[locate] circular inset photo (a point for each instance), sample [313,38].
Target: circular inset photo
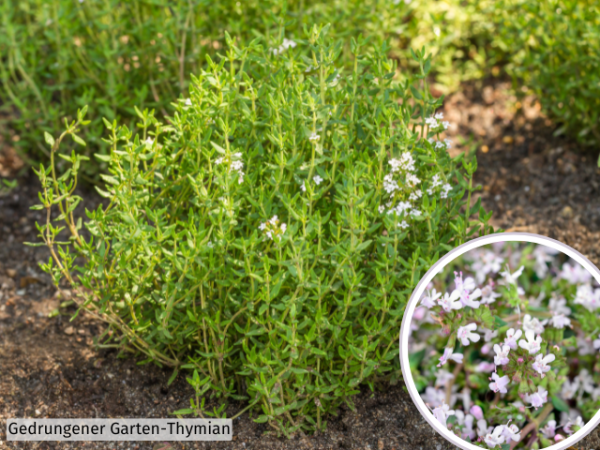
[500,344]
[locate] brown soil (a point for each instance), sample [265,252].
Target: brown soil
[49,368]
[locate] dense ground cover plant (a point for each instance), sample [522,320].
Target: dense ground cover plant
[268,238]
[56,56]
[555,53]
[506,346]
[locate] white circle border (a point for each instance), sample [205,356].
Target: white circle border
[418,292]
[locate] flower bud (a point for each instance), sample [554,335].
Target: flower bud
[477,412]
[558,437]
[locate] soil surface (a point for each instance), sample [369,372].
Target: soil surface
[49,367]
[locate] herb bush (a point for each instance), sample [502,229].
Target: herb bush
[57,56]
[509,346]
[268,238]
[555,53]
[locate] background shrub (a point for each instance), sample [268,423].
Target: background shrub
[268,238]
[57,56]
[554,46]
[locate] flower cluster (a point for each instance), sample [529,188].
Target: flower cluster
[273,229]
[287,43]
[519,324]
[234,164]
[405,189]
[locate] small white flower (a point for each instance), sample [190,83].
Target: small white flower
[538,398]
[549,430]
[511,278]
[303,188]
[559,306]
[446,188]
[499,384]
[532,344]
[511,433]
[570,388]
[446,125]
[317,179]
[533,324]
[482,428]
[439,115]
[575,273]
[415,195]
[456,357]
[432,122]
[501,357]
[149,142]
[450,301]
[511,338]
[314,137]
[542,363]
[412,180]
[596,343]
[442,377]
[403,224]
[441,413]
[429,300]
[488,296]
[495,438]
[188,102]
[560,321]
[466,334]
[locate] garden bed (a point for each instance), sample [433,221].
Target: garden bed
[531,180]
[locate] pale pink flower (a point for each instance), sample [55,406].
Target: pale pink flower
[511,278]
[511,338]
[466,334]
[499,384]
[511,433]
[550,429]
[441,413]
[450,301]
[542,363]
[533,324]
[429,300]
[501,357]
[560,321]
[456,357]
[495,438]
[538,398]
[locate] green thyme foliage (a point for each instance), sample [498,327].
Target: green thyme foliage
[461,36]
[555,46]
[244,241]
[58,55]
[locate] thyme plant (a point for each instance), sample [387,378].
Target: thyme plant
[266,239]
[506,353]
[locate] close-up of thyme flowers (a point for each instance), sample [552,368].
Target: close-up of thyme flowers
[505,346]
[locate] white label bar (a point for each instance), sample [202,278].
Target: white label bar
[119,429]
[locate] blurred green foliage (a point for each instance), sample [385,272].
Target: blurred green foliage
[555,51]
